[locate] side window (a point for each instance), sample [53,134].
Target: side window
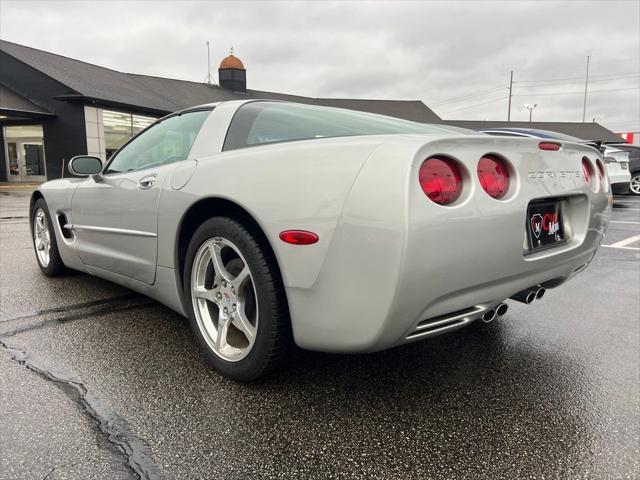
[165,142]
[260,123]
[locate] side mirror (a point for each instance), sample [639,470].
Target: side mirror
[85,166]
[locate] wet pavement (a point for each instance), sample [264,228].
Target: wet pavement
[99,382]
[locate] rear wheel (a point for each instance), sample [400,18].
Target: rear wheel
[235,300]
[634,185]
[44,241]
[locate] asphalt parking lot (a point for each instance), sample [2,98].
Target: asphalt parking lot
[99,382]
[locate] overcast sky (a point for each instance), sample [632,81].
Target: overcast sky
[455,56]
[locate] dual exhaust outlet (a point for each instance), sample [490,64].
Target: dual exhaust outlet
[525,296]
[494,313]
[529,295]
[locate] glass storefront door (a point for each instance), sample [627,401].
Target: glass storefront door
[24,151]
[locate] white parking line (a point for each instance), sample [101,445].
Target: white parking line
[622,248]
[625,242]
[622,221]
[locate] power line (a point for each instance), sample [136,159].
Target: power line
[475,105]
[573,93]
[464,97]
[577,78]
[591,80]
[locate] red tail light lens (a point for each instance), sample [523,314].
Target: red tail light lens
[494,176]
[550,146]
[602,176]
[440,180]
[588,173]
[298,237]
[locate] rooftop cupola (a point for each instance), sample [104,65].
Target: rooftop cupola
[231,74]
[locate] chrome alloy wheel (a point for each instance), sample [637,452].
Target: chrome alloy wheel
[634,185]
[42,237]
[224,299]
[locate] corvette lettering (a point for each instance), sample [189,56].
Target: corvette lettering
[549,174]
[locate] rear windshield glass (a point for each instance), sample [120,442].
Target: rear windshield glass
[259,123]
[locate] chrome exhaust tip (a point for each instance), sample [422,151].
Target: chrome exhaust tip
[489,316]
[540,292]
[527,296]
[501,309]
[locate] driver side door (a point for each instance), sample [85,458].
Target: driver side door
[115,216]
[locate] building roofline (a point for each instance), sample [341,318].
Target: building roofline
[25,113]
[142,92]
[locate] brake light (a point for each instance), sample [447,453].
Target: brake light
[550,146]
[588,174]
[298,237]
[441,180]
[494,176]
[602,176]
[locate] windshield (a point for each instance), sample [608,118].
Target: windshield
[259,123]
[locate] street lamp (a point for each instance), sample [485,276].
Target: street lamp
[530,108]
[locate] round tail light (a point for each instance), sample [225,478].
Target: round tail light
[494,176]
[602,176]
[588,174]
[440,180]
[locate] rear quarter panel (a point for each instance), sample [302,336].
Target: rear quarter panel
[296,185]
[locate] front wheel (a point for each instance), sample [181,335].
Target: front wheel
[634,185]
[44,241]
[235,300]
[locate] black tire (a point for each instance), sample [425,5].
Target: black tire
[635,176]
[273,335]
[55,267]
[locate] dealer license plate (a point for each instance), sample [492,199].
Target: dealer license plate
[544,225]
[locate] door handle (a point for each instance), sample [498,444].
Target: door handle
[147,182]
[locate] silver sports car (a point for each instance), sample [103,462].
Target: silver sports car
[268,223]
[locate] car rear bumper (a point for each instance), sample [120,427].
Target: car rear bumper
[397,259]
[617,175]
[363,302]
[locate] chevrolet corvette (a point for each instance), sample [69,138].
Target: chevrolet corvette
[272,223]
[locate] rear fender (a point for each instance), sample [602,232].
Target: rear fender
[298,185]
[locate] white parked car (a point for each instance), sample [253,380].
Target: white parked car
[617,163]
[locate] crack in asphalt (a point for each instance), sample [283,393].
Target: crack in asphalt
[134,452]
[53,470]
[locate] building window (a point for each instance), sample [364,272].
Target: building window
[120,127]
[24,151]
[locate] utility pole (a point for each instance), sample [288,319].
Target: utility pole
[510,90]
[586,84]
[209,79]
